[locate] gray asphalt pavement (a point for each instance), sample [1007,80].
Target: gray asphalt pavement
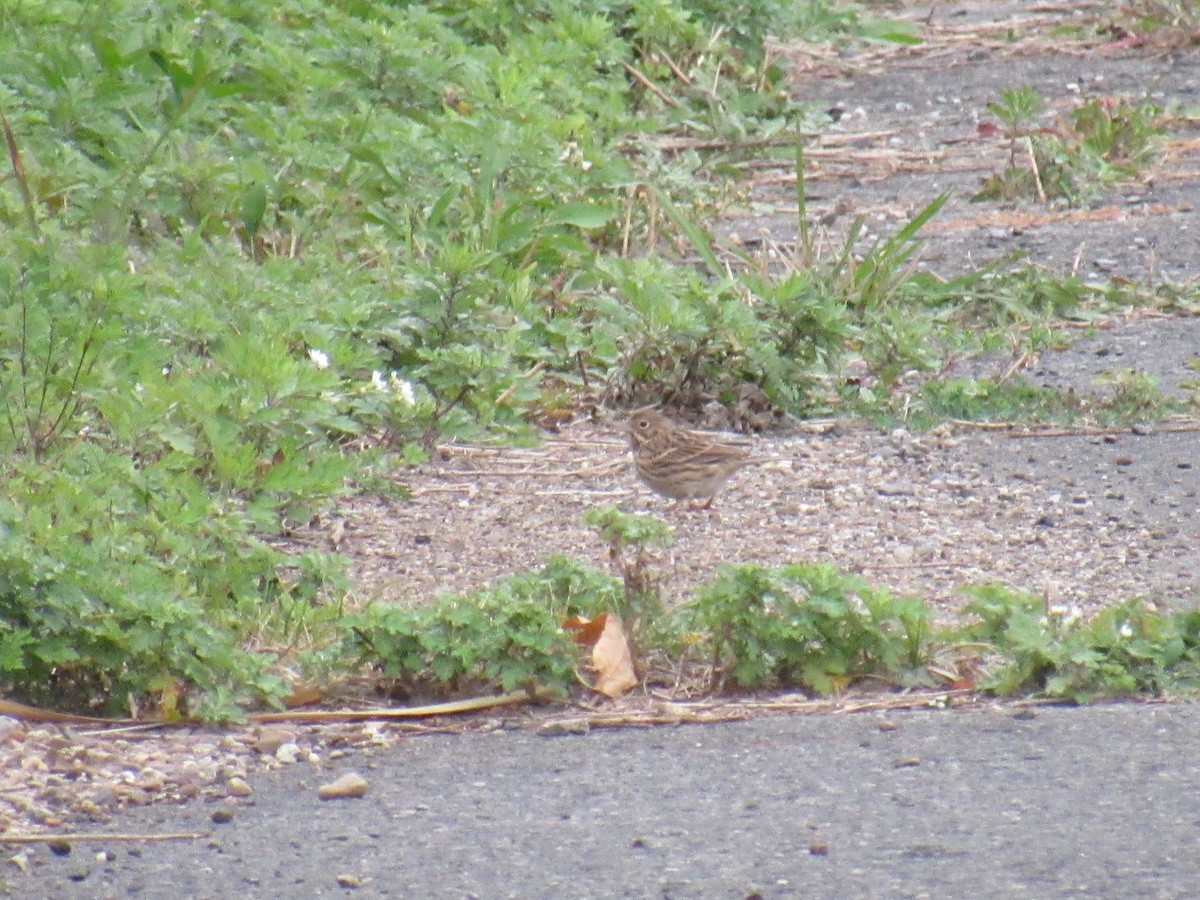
[1099,801]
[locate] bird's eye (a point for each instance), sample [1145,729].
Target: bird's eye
[643,423]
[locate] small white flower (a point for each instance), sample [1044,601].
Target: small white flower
[404,389]
[1126,630]
[572,153]
[319,357]
[377,381]
[1074,615]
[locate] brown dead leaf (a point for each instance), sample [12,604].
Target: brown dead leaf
[612,660]
[585,632]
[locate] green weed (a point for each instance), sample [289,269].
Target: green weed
[499,638]
[632,544]
[1128,648]
[1102,141]
[810,627]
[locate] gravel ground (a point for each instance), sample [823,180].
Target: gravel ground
[924,514]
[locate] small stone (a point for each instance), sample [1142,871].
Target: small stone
[567,726]
[151,780]
[237,787]
[131,795]
[60,847]
[287,753]
[225,772]
[351,785]
[908,762]
[222,815]
[886,725]
[79,873]
[349,881]
[269,740]
[817,848]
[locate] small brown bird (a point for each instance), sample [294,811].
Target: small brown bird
[680,464]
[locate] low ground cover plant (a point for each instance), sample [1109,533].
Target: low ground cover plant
[256,255]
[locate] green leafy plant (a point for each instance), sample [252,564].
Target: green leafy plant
[632,544]
[54,327]
[1127,648]
[1121,397]
[1018,110]
[702,340]
[1102,141]
[1133,396]
[1117,136]
[128,588]
[500,638]
[810,627]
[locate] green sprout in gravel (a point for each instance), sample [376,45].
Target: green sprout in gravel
[1101,142]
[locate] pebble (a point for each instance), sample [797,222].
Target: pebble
[349,785]
[238,787]
[268,741]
